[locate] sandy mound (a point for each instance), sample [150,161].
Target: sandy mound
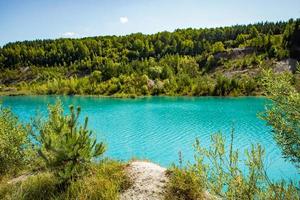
[148,179]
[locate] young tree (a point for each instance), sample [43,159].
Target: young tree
[66,147]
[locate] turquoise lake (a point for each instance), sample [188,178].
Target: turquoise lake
[157,128]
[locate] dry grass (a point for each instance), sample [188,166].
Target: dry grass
[104,181]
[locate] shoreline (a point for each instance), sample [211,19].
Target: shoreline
[125,97]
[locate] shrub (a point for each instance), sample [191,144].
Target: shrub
[283,114]
[223,86]
[14,144]
[184,184]
[218,172]
[66,147]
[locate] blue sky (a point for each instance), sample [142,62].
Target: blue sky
[43,19]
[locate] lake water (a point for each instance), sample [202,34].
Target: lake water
[157,128]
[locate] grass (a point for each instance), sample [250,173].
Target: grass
[104,180]
[38,187]
[184,185]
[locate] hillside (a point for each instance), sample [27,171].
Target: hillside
[217,61]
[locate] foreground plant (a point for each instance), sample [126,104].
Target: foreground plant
[68,152]
[66,147]
[104,181]
[217,173]
[283,115]
[14,143]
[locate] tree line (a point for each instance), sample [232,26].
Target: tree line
[120,49]
[183,62]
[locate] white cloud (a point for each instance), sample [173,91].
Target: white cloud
[69,34]
[124,20]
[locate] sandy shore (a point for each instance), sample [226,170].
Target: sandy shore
[149,181]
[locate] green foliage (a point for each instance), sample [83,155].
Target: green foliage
[43,186]
[232,86]
[66,147]
[184,184]
[284,114]
[253,32]
[187,82]
[69,154]
[218,47]
[96,76]
[174,61]
[104,181]
[14,143]
[225,177]
[95,53]
[217,171]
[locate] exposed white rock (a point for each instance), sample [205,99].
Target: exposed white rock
[286,65]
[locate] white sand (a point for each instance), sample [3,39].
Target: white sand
[149,181]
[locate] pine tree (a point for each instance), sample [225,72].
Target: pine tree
[66,147]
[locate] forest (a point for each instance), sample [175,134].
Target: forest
[196,62]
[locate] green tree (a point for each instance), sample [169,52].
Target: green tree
[155,72]
[253,32]
[81,50]
[66,147]
[96,76]
[218,47]
[283,114]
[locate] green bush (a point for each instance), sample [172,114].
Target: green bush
[184,184]
[14,143]
[283,114]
